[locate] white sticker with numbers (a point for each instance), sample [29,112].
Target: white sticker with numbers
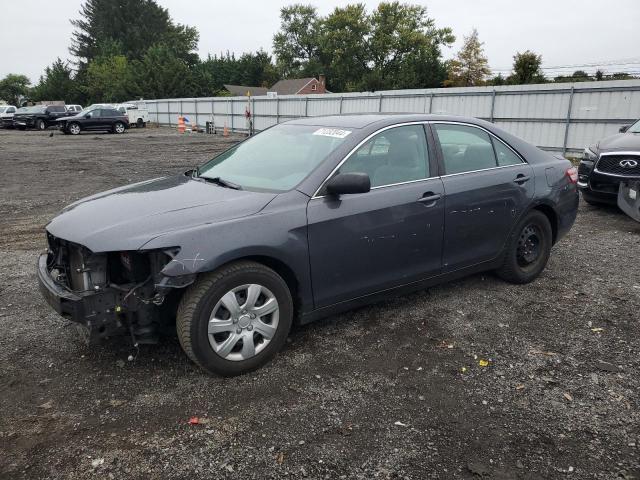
[332,132]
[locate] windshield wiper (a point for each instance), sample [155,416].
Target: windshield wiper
[222,182]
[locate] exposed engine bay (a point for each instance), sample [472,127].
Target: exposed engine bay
[115,293]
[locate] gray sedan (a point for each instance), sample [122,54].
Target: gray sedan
[304,220]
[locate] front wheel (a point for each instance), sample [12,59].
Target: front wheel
[74,128]
[40,125]
[118,127]
[528,249]
[235,320]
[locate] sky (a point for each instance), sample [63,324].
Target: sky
[565,32]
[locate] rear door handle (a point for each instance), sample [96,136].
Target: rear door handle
[520,179]
[430,198]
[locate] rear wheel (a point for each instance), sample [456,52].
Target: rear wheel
[235,319]
[74,128]
[140,123]
[118,127]
[40,125]
[528,249]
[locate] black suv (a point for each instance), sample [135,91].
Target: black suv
[38,116]
[102,118]
[609,162]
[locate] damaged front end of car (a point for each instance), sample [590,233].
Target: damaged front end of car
[110,294]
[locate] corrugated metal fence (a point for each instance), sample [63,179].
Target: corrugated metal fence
[562,117]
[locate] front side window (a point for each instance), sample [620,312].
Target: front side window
[277,159]
[464,148]
[395,155]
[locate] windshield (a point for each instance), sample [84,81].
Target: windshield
[277,159]
[635,128]
[36,109]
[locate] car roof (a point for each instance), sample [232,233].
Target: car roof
[379,119]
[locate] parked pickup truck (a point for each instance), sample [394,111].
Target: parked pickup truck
[137,116]
[6,115]
[40,117]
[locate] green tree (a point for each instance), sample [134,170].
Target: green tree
[526,69]
[57,83]
[13,88]
[403,40]
[498,80]
[395,46]
[344,56]
[162,74]
[133,25]
[297,44]
[470,67]
[577,76]
[109,80]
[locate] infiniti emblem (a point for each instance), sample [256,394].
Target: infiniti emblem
[628,163]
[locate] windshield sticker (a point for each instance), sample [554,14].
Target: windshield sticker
[332,132]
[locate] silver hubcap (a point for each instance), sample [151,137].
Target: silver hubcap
[75,129]
[243,322]
[119,128]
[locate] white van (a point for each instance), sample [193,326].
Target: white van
[138,115]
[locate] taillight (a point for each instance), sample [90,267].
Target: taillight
[572,173]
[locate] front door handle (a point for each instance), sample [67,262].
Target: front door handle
[430,198]
[521,179]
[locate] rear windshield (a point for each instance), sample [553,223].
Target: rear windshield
[2,109]
[35,109]
[277,159]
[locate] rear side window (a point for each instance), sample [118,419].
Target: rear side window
[396,155]
[56,108]
[504,154]
[464,148]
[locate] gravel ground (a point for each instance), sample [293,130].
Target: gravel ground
[472,379]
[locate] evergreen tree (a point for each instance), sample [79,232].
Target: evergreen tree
[57,83]
[470,67]
[135,25]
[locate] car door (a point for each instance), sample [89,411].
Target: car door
[487,186]
[392,235]
[91,119]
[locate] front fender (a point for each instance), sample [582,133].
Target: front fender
[278,232]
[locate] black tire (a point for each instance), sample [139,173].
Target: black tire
[74,128]
[200,300]
[139,123]
[117,126]
[528,249]
[41,125]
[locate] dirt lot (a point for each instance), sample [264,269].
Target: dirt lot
[392,391]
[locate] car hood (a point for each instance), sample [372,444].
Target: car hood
[128,217]
[620,141]
[70,116]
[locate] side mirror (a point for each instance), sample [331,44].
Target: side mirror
[345,183]
[624,128]
[87,115]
